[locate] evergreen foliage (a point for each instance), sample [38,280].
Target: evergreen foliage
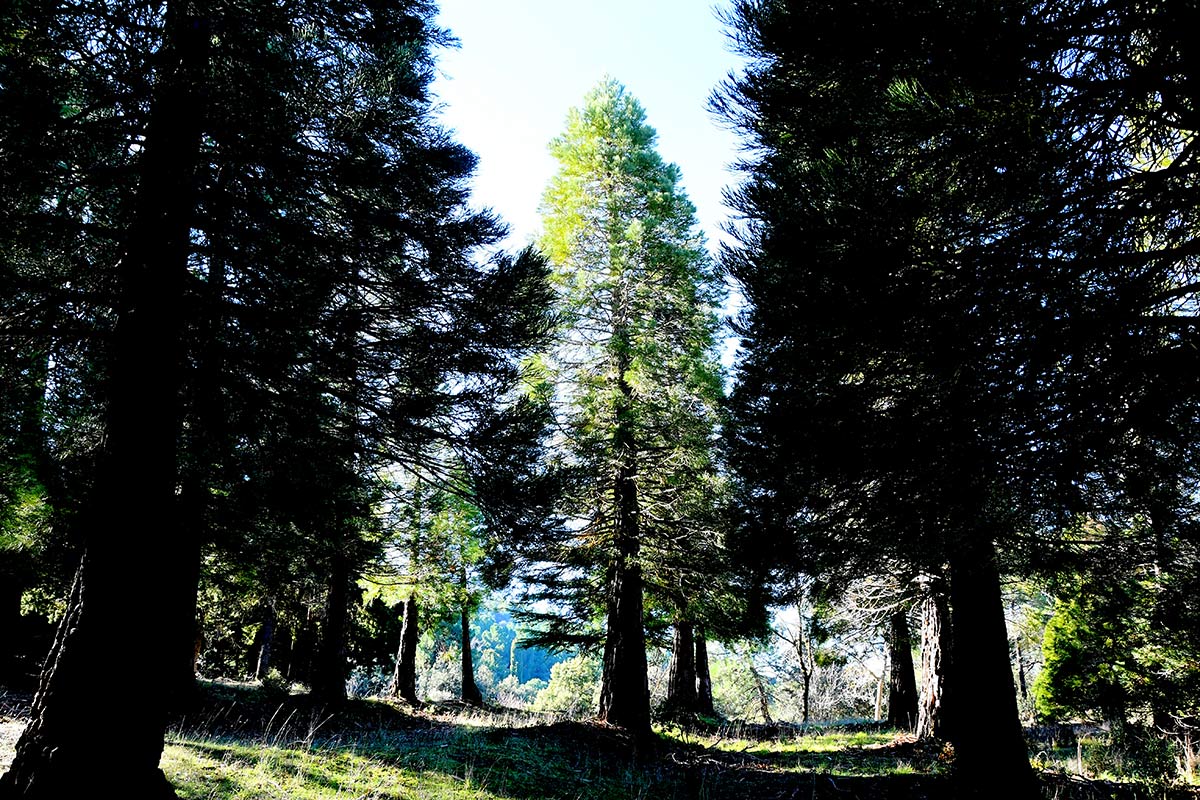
[634,383]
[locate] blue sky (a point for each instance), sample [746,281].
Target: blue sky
[522,64]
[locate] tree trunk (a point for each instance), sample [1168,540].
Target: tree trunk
[681,677]
[624,690]
[125,601]
[404,679]
[300,665]
[470,691]
[704,694]
[760,688]
[990,756]
[935,655]
[1022,685]
[806,676]
[624,683]
[266,638]
[902,684]
[329,676]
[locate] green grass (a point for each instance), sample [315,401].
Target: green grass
[834,752]
[244,744]
[441,763]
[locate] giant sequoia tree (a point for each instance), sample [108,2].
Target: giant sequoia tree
[635,382]
[281,248]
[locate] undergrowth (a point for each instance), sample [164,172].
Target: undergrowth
[239,743]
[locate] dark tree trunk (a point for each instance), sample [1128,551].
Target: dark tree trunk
[281,649]
[404,679]
[329,675]
[806,676]
[1022,685]
[125,610]
[624,688]
[703,677]
[266,638]
[681,677]
[935,662]
[624,691]
[704,694]
[624,683]
[902,683]
[470,691]
[990,756]
[300,664]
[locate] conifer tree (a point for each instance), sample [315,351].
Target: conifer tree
[296,300]
[902,379]
[634,383]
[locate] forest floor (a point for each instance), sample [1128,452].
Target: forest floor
[239,743]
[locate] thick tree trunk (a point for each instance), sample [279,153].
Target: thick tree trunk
[470,690]
[704,694]
[935,663]
[681,676]
[902,683]
[404,679]
[124,611]
[329,676]
[990,756]
[624,683]
[624,690]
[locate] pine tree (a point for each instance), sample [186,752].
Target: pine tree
[634,381]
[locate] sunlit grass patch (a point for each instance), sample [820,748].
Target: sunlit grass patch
[831,751]
[457,764]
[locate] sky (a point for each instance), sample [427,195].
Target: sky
[522,64]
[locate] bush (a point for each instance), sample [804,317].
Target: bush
[574,686]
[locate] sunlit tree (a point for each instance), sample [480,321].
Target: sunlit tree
[634,381]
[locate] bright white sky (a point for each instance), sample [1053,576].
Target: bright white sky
[523,63]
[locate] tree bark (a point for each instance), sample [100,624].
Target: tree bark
[990,756]
[125,610]
[329,677]
[624,690]
[470,690]
[681,676]
[404,679]
[704,694]
[902,683]
[624,683]
[935,655]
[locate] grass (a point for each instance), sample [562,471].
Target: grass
[375,751]
[837,752]
[246,744]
